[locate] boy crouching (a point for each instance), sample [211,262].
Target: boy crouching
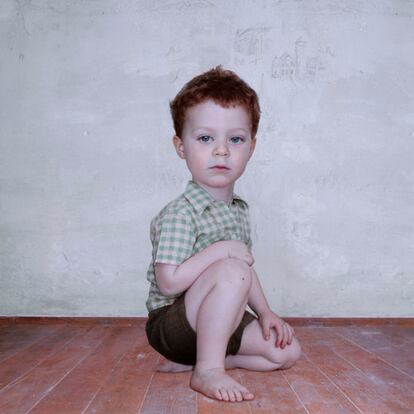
[201,274]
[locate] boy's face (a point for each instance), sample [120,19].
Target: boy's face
[216,143]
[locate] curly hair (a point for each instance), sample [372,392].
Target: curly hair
[222,86]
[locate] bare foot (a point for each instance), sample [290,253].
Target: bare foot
[215,383]
[169,366]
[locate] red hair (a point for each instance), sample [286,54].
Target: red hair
[222,86]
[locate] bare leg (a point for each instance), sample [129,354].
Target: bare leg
[251,362]
[170,366]
[258,354]
[215,304]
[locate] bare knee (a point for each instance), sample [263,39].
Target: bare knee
[293,355]
[286,357]
[228,271]
[234,272]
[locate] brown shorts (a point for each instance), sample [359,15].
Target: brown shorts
[170,333]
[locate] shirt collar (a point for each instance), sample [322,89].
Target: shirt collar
[200,198]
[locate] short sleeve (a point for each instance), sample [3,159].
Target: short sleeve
[246,224]
[176,239]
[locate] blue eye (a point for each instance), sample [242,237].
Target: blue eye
[237,140]
[204,138]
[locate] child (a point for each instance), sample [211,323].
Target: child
[202,274]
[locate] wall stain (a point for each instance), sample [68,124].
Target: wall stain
[178,6]
[21,14]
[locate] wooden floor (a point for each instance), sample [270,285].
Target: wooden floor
[72,368]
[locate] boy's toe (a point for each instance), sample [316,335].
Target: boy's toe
[224,394]
[239,396]
[247,395]
[217,394]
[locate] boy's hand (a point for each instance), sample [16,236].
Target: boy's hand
[238,250]
[283,330]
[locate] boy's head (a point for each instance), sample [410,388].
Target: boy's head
[223,87]
[216,116]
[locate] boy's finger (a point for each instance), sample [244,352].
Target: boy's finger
[285,335]
[279,331]
[290,335]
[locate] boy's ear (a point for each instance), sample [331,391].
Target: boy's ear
[179,147]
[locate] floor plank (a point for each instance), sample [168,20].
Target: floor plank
[74,393]
[28,357]
[14,338]
[124,390]
[24,393]
[170,393]
[380,337]
[324,351]
[16,333]
[97,368]
[388,343]
[273,393]
[316,391]
[387,376]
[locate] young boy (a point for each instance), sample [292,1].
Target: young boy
[202,274]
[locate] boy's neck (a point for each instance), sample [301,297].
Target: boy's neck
[219,193]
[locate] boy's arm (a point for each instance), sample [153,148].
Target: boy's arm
[173,279]
[257,300]
[267,318]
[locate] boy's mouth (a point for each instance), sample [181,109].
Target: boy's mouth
[219,167]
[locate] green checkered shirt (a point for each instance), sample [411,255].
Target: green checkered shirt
[189,224]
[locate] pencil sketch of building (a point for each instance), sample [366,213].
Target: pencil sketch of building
[283,67]
[297,66]
[248,44]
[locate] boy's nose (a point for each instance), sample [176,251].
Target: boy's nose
[221,150]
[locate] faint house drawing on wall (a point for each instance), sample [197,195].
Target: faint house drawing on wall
[283,67]
[314,65]
[249,44]
[300,57]
[300,66]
